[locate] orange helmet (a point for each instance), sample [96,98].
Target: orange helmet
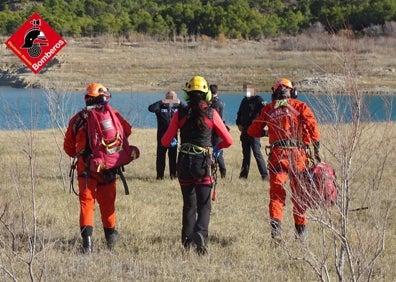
[283,82]
[95,90]
[283,88]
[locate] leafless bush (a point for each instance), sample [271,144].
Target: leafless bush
[352,234]
[61,110]
[390,28]
[21,245]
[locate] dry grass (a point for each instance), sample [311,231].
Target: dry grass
[149,219]
[146,65]
[38,211]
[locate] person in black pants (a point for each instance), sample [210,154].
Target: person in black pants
[196,122]
[164,110]
[249,108]
[218,105]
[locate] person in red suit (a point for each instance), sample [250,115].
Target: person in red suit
[93,186]
[292,127]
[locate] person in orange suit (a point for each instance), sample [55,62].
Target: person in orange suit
[291,128]
[197,122]
[93,186]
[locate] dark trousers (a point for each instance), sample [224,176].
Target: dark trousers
[161,160]
[195,183]
[196,210]
[249,145]
[220,161]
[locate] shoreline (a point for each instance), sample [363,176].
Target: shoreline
[21,85]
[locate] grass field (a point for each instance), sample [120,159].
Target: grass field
[40,241]
[353,241]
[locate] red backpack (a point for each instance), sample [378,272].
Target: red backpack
[107,140]
[321,189]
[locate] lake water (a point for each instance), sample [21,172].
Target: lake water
[36,109]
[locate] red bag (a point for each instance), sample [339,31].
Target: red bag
[107,140]
[321,189]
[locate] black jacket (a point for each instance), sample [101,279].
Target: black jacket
[164,113]
[218,106]
[248,110]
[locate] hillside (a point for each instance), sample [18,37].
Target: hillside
[315,64]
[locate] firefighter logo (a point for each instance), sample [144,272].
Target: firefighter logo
[34,39]
[35,43]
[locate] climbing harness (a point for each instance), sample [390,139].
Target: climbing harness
[214,165]
[191,149]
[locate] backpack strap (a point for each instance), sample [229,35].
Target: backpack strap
[80,121]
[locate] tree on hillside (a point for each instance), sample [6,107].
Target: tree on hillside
[252,19]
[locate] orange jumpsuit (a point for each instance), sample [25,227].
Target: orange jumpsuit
[92,185]
[292,126]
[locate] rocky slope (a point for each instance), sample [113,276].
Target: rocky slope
[159,66]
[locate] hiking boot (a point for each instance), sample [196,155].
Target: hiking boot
[276,230]
[87,244]
[265,177]
[112,236]
[86,234]
[187,242]
[301,232]
[199,241]
[222,174]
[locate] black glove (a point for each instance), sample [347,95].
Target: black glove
[316,146]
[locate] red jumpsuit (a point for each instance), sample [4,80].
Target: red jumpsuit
[92,185]
[292,126]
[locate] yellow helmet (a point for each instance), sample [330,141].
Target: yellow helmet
[283,82]
[96,89]
[197,83]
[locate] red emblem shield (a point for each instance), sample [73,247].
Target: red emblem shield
[35,43]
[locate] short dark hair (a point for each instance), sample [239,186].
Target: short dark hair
[248,85]
[213,88]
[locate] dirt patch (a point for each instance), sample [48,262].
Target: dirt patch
[160,66]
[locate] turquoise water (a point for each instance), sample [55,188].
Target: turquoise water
[35,109]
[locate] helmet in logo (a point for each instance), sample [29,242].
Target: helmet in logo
[35,36]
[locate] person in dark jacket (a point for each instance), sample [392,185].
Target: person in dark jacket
[197,122]
[164,110]
[218,105]
[249,108]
